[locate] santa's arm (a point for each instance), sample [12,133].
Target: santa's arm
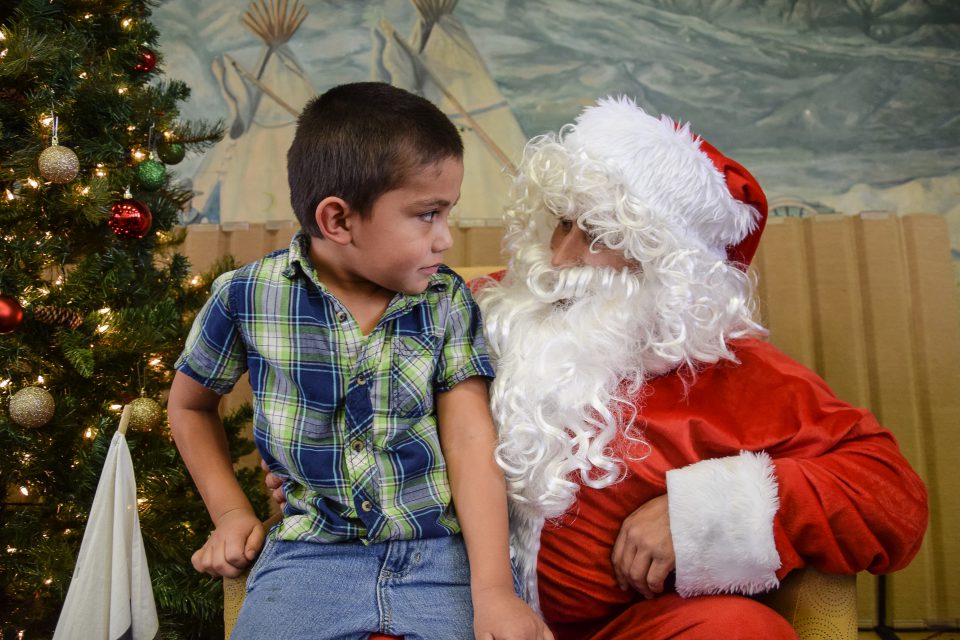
[740,523]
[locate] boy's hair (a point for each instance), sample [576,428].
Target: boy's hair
[358,141]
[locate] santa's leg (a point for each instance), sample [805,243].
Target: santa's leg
[704,617]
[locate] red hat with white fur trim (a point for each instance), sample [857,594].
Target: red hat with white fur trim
[680,179]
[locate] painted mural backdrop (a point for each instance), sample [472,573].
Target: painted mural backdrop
[835,105]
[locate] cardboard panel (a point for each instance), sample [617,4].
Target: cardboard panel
[935,321]
[892,380]
[837,307]
[784,289]
[483,246]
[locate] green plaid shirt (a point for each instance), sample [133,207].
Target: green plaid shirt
[349,419]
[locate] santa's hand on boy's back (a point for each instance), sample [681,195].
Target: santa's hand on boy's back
[233,545]
[274,483]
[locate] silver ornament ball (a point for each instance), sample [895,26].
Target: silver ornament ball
[31,407]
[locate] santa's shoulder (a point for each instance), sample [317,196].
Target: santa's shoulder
[764,366]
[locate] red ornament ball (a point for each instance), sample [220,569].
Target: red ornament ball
[146,61]
[130,218]
[11,314]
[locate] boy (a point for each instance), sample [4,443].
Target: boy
[348,335]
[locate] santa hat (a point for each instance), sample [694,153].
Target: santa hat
[680,179]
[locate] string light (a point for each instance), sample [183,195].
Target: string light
[83,75]
[99,171]
[11,549]
[103,328]
[116,407]
[126,23]
[5,383]
[121,90]
[46,120]
[33,183]
[24,491]
[88,433]
[48,581]
[9,194]
[103,311]
[40,380]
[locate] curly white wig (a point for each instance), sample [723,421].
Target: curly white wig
[635,184]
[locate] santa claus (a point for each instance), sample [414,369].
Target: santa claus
[663,461]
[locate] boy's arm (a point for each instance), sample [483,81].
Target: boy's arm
[202,442]
[468,439]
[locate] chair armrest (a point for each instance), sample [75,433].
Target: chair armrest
[819,606]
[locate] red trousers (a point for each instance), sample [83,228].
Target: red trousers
[727,617]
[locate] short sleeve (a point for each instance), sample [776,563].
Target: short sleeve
[214,354]
[464,351]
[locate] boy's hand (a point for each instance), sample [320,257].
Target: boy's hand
[498,614]
[232,546]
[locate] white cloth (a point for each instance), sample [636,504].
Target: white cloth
[110,596]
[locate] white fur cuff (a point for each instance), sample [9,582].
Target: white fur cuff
[721,520]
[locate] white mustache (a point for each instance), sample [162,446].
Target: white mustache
[551,284]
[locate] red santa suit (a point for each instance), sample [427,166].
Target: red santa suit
[765,470]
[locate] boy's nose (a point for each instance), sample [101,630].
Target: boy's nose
[570,248]
[443,239]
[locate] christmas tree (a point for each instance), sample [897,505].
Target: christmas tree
[94,303]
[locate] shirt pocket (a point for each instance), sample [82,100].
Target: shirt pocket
[411,375]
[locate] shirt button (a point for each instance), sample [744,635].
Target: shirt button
[366,505]
[357,445]
[341,316]
[361,380]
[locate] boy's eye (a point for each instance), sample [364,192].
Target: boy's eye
[565,225]
[429,216]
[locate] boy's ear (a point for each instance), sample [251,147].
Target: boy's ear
[335,217]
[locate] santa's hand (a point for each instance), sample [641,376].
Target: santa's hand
[274,484]
[643,554]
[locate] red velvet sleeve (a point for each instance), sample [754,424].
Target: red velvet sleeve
[849,500]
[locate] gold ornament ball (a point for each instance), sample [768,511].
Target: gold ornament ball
[31,407]
[145,414]
[59,164]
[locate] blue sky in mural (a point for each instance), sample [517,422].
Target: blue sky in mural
[852,104]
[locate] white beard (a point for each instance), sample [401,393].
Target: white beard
[564,342]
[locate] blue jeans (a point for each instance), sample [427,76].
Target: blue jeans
[418,589]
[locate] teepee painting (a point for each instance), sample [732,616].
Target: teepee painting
[244,177]
[440,62]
